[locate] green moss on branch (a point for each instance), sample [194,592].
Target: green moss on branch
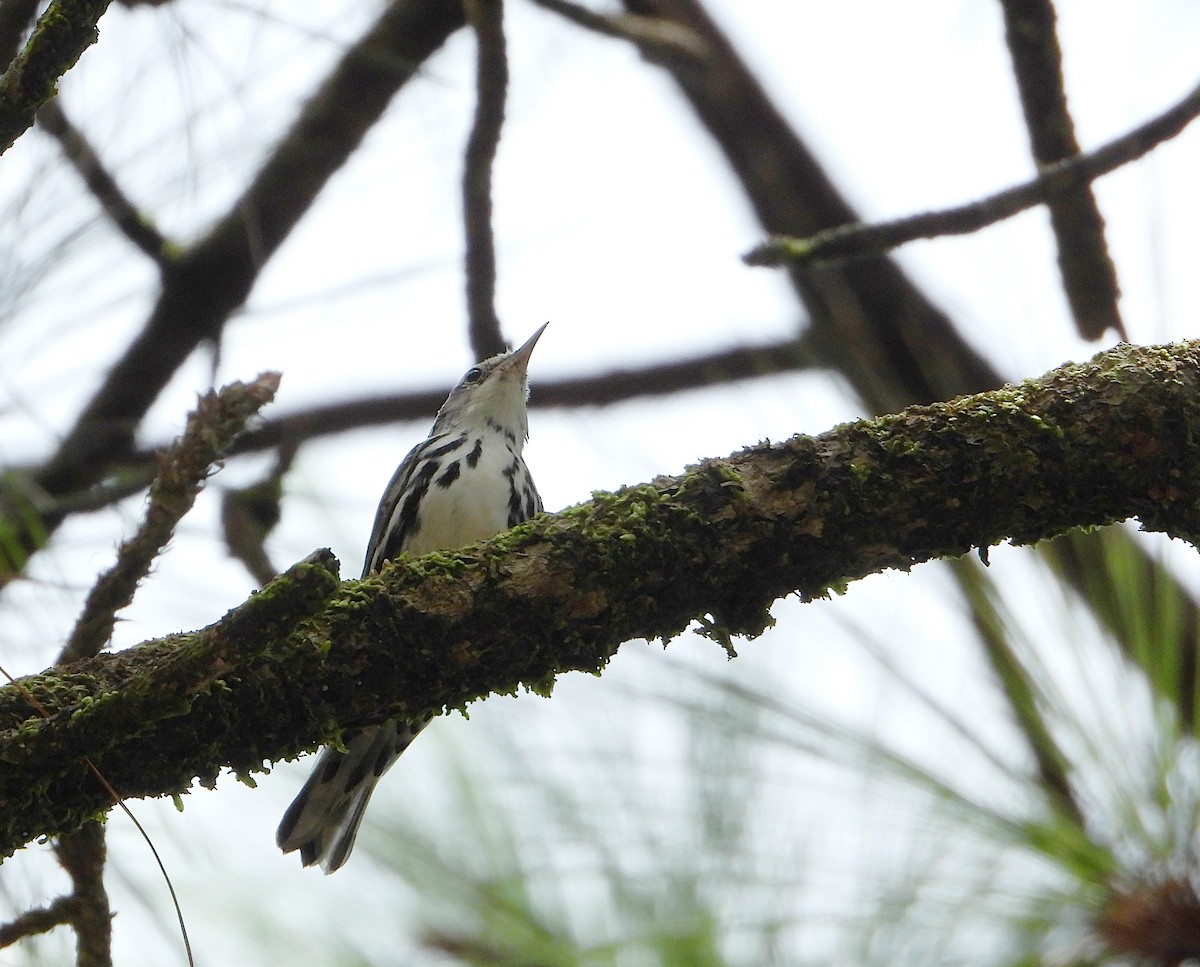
[1086,445]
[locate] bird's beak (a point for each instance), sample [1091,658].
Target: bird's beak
[518,360]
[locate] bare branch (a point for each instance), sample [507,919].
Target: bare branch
[868,319]
[1088,274]
[858,240]
[40,920]
[491,85]
[656,38]
[249,514]
[205,284]
[82,853]
[103,186]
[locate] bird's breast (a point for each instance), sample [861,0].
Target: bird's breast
[470,496]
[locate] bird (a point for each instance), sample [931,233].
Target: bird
[465,483]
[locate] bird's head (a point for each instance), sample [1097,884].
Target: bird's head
[491,393]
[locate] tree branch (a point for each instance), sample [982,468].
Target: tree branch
[22,505]
[82,853]
[134,225]
[1088,274]
[39,920]
[857,239]
[203,285]
[218,418]
[491,86]
[250,513]
[1086,445]
[866,319]
[58,40]
[655,38]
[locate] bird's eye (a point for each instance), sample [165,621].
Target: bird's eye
[474,375]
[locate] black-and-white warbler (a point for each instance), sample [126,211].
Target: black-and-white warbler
[467,482]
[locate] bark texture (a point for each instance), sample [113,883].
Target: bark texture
[1085,445]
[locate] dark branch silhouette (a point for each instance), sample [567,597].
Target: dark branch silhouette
[856,240]
[491,90]
[1088,274]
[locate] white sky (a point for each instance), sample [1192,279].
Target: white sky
[617,222]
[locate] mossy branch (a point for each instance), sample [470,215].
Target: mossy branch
[1085,445]
[220,415]
[61,36]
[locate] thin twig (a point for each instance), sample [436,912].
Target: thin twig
[217,419]
[861,239]
[249,514]
[116,204]
[41,920]
[1088,274]
[491,84]
[656,37]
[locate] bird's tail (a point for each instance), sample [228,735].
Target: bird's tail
[323,820]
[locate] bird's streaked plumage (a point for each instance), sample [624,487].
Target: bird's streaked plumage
[465,483]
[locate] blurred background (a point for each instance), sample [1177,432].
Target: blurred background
[955,765]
